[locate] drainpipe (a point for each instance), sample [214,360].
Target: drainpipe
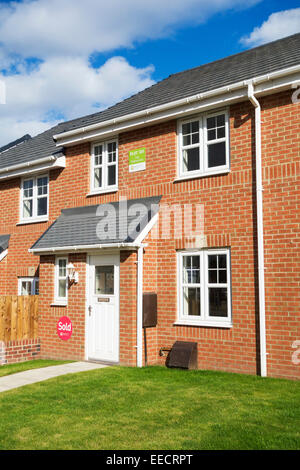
[139,319]
[260,232]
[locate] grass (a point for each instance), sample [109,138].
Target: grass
[152,408]
[28,365]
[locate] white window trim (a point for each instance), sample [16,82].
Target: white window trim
[104,188]
[34,280]
[60,300]
[204,319]
[35,218]
[204,170]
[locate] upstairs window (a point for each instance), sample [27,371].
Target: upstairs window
[34,198]
[104,165]
[204,145]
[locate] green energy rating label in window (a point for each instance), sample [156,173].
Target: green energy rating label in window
[137,159]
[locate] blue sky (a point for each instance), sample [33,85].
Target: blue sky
[192,46]
[60,59]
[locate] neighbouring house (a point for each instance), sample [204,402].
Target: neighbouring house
[189,190]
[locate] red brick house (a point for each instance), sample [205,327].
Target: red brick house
[189,189]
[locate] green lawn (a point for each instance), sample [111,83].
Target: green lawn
[153,408]
[21,366]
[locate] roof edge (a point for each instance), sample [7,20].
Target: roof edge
[173,104]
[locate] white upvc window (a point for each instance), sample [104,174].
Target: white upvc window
[61,280]
[204,293]
[203,144]
[34,198]
[28,286]
[104,167]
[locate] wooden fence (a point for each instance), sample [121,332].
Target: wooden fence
[18,317]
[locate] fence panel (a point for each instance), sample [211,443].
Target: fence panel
[18,317]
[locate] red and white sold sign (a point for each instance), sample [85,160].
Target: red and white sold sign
[64,328]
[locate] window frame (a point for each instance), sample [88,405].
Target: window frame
[35,197]
[57,299]
[33,280]
[105,188]
[204,170]
[204,319]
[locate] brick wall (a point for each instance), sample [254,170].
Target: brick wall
[19,351]
[230,221]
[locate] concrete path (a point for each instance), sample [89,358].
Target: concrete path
[27,377]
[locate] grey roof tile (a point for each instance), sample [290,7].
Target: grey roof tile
[79,226]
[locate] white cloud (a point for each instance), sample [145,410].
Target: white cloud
[278,25]
[12,129]
[62,35]
[43,28]
[68,88]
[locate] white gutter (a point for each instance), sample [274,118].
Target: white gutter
[174,104]
[139,310]
[83,247]
[27,164]
[260,232]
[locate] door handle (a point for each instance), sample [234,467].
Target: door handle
[90,310]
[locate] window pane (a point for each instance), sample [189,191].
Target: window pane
[195,138]
[62,265]
[212,261]
[26,288]
[190,133]
[42,206]
[222,261]
[62,288]
[191,301]
[221,132]
[211,122]
[218,302]
[222,276]
[112,154]
[98,178]
[98,151]
[186,140]
[221,120]
[104,280]
[42,186]
[211,134]
[212,276]
[27,209]
[186,128]
[111,175]
[191,161]
[28,188]
[216,154]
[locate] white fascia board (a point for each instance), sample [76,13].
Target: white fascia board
[30,168]
[69,249]
[265,84]
[3,254]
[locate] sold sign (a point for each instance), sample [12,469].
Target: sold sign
[64,328]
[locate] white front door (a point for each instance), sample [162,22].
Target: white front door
[103,308]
